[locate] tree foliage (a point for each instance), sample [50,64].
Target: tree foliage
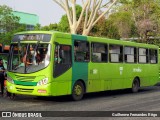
[63,25]
[123,23]
[7,19]
[146,17]
[9,24]
[129,19]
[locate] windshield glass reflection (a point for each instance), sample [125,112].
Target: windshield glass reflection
[28,58]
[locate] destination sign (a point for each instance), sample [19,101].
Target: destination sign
[32,37]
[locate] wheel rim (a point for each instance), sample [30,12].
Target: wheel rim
[78,90]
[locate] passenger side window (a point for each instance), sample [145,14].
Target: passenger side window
[116,53]
[81,51]
[153,56]
[143,55]
[130,54]
[99,52]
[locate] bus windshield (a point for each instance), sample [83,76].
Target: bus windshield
[28,58]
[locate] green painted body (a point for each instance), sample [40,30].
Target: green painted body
[95,76]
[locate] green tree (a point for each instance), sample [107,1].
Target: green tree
[99,29]
[9,24]
[135,18]
[37,27]
[63,25]
[50,27]
[8,21]
[146,16]
[123,23]
[7,37]
[111,29]
[47,28]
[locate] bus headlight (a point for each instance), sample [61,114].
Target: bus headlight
[42,82]
[10,80]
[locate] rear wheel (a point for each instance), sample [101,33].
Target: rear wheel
[135,85]
[78,91]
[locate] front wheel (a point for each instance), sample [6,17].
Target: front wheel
[78,91]
[135,85]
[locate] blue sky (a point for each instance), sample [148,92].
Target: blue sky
[47,10]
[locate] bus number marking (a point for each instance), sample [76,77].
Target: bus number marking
[137,69]
[95,71]
[121,70]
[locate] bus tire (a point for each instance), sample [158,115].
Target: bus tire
[78,91]
[135,85]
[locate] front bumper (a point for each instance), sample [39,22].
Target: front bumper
[43,90]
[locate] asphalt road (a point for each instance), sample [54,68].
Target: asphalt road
[147,99]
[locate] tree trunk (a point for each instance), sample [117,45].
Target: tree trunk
[90,21]
[72,30]
[85,32]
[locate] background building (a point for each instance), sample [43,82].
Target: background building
[30,20]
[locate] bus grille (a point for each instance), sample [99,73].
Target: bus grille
[24,90]
[25,78]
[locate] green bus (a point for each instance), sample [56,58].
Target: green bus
[50,63]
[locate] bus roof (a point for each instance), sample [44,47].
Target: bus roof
[94,39]
[34,32]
